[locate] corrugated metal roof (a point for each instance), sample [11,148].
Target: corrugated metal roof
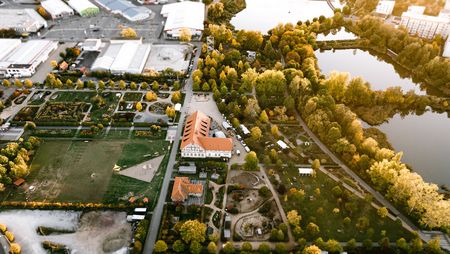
[29,51]
[184,15]
[55,7]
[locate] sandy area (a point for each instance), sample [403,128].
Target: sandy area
[95,232]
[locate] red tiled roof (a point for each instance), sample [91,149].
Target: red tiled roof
[196,131]
[182,188]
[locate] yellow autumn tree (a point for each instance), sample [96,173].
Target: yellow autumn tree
[170,112]
[15,248]
[139,106]
[150,96]
[185,34]
[128,33]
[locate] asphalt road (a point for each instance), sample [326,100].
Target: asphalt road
[157,212]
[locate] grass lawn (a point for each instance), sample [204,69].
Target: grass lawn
[78,171]
[66,96]
[136,96]
[141,150]
[318,208]
[117,134]
[121,186]
[70,171]
[209,196]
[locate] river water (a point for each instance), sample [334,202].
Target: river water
[378,73]
[425,141]
[263,15]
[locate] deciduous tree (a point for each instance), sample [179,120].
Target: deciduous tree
[128,33]
[160,246]
[193,230]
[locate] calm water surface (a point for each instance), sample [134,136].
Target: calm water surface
[378,73]
[263,15]
[425,141]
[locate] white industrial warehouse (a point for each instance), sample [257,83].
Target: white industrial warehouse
[57,9]
[84,8]
[123,56]
[183,15]
[21,20]
[19,59]
[126,9]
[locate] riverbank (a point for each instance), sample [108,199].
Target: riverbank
[387,56]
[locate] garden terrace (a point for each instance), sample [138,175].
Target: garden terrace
[62,112]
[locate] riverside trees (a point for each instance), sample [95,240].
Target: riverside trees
[328,106]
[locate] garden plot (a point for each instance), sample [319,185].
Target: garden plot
[64,112]
[244,200]
[246,179]
[92,232]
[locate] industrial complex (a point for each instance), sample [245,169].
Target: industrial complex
[123,57]
[57,9]
[21,20]
[19,59]
[183,15]
[84,7]
[126,9]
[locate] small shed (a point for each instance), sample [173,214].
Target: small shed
[178,107]
[63,66]
[281,144]
[191,169]
[19,182]
[227,234]
[305,171]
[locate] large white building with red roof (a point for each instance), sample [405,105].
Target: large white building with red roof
[196,142]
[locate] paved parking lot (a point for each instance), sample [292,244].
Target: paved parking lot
[207,105]
[76,28]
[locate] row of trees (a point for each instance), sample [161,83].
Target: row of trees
[375,107]
[53,82]
[420,57]
[15,248]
